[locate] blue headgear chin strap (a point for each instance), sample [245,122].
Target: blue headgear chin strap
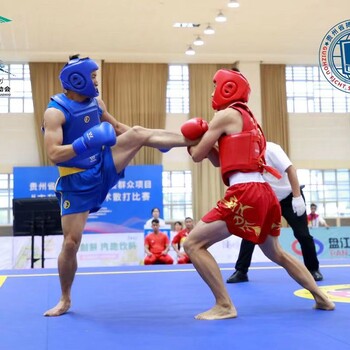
[76,76]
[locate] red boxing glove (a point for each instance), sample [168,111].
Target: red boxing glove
[194,128]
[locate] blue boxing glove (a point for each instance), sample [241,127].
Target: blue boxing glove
[94,138]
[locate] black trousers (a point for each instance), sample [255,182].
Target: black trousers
[301,233]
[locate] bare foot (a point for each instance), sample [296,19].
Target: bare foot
[61,308]
[323,303]
[218,313]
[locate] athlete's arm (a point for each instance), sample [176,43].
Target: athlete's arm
[213,156]
[147,247]
[166,250]
[298,203]
[322,221]
[227,121]
[293,180]
[119,128]
[175,243]
[53,137]
[147,251]
[175,248]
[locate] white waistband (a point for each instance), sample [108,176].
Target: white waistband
[239,178]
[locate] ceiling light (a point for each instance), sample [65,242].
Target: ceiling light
[220,17]
[198,41]
[233,4]
[190,51]
[185,25]
[209,30]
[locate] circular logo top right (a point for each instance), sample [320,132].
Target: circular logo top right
[334,56]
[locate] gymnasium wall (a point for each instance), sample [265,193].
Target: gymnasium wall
[317,140]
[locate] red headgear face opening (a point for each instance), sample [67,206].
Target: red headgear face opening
[231,86]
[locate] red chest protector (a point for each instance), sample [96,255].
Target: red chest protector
[243,152]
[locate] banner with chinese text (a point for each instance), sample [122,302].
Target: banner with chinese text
[126,208]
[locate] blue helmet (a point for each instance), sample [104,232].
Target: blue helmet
[76,76]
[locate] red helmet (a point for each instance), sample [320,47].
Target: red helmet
[231,86]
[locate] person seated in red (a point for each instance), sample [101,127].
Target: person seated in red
[178,226]
[314,219]
[157,246]
[178,241]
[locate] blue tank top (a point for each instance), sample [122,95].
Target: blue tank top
[80,117]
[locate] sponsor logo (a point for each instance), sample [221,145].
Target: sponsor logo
[318,245]
[5,89]
[334,56]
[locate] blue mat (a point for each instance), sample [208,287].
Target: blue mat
[153,307]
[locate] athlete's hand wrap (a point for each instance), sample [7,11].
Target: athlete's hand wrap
[298,205]
[194,128]
[96,137]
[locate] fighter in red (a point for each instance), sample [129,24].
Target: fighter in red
[235,142]
[157,246]
[179,240]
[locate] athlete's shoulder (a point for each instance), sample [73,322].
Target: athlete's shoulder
[100,103]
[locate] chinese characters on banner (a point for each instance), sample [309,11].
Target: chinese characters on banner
[126,208]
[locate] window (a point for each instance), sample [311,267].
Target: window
[177,96]
[15,89]
[309,92]
[328,189]
[177,195]
[6,196]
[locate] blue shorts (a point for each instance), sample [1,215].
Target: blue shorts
[86,190]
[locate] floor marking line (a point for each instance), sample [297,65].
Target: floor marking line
[2,280]
[3,277]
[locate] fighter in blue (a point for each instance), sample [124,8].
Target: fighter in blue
[80,137]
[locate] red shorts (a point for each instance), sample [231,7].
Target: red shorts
[251,211]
